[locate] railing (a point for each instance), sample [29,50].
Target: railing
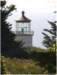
[25,32]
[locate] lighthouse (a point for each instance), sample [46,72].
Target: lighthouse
[23,30]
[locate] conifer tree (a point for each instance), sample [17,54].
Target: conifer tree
[50,38]
[9,47]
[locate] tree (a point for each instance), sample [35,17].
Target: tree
[50,39]
[9,47]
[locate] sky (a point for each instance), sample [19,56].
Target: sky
[39,11]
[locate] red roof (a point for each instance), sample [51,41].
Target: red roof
[23,18]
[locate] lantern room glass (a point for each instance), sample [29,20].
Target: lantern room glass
[23,27]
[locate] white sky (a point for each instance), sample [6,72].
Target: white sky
[39,11]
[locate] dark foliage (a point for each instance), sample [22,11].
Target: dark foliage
[45,59]
[50,40]
[9,47]
[2,68]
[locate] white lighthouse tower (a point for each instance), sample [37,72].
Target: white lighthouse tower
[23,30]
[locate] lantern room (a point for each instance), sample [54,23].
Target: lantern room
[23,24]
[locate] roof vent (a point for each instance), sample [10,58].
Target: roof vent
[23,13]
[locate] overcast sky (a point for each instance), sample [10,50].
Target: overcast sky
[39,11]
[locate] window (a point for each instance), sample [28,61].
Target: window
[23,27]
